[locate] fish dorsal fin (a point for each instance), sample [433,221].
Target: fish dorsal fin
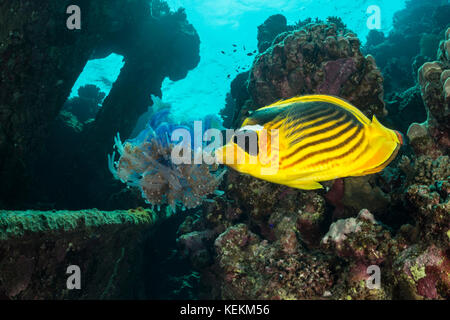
[376,124]
[287,101]
[270,112]
[342,103]
[263,115]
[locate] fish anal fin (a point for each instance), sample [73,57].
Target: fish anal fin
[305,185]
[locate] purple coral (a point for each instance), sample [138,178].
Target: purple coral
[336,74]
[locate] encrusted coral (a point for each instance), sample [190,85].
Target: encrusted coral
[423,274]
[253,268]
[425,169]
[412,41]
[430,206]
[38,246]
[318,58]
[279,243]
[435,87]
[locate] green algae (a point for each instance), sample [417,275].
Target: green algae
[417,272]
[15,224]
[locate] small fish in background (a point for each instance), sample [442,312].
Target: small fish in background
[320,138]
[249,54]
[234,45]
[223,52]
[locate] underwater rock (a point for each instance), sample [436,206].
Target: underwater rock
[253,268]
[375,38]
[86,104]
[363,192]
[317,59]
[362,243]
[41,62]
[415,33]
[420,140]
[430,207]
[305,58]
[266,205]
[194,246]
[433,77]
[423,274]
[425,170]
[269,30]
[37,247]
[236,97]
[359,238]
[405,108]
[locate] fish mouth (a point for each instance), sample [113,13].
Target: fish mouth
[220,154]
[228,155]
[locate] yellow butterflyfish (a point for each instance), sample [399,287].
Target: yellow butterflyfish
[302,141]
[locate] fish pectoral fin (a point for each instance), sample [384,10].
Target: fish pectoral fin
[305,185]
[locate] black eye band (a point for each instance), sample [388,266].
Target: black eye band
[247,141]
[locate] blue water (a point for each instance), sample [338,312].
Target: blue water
[222,23]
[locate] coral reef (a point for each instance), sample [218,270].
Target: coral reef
[317,59]
[434,81]
[262,240]
[416,32]
[257,240]
[405,108]
[249,244]
[237,96]
[423,273]
[37,247]
[307,58]
[269,30]
[254,269]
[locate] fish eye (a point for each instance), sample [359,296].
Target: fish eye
[247,140]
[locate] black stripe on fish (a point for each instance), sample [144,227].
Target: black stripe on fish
[347,153]
[346,129]
[329,149]
[305,109]
[336,115]
[310,117]
[342,122]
